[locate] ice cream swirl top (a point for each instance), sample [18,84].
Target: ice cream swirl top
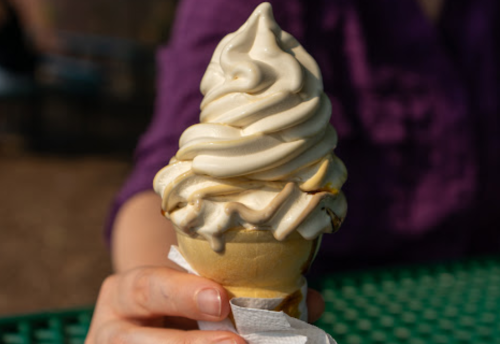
[262,155]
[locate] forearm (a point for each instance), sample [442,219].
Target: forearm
[141,235]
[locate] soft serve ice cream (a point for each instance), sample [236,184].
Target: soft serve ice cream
[261,158]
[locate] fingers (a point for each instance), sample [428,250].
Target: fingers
[133,306]
[125,333]
[315,305]
[153,292]
[128,302]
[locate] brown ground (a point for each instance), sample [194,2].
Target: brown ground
[52,209]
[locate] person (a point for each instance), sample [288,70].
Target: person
[414,88]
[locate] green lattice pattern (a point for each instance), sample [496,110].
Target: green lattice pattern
[69,327]
[443,304]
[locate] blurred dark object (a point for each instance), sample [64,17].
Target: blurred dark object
[94,92]
[17,57]
[96,98]
[147,22]
[18,62]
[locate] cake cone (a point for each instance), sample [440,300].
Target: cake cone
[254,264]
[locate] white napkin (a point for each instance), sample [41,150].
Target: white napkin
[258,325]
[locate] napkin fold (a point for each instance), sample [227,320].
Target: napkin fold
[255,323]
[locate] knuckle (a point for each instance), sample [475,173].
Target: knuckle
[142,285]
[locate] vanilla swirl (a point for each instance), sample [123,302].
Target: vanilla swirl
[262,155]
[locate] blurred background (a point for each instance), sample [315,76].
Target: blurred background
[76,90]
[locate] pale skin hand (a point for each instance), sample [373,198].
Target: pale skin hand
[150,299]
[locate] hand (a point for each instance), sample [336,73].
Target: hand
[152,305]
[157,305]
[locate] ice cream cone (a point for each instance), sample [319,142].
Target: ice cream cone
[254,264]
[260,158]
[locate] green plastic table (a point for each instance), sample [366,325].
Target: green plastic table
[452,303]
[68,327]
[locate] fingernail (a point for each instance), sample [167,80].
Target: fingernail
[209,302]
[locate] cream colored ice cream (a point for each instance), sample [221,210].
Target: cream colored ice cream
[261,159]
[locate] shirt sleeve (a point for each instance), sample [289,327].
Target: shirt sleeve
[197,30]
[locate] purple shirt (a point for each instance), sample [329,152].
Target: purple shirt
[416,107]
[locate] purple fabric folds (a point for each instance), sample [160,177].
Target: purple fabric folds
[416,106]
